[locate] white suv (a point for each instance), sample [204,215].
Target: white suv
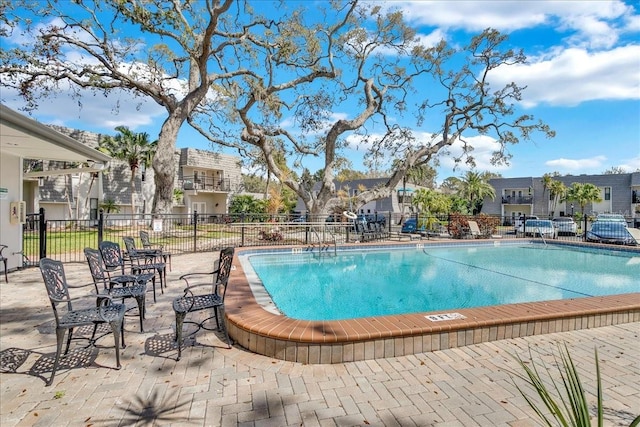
[565,225]
[520,221]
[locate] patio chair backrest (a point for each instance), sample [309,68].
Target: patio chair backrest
[55,282]
[144,238]
[111,256]
[130,244]
[224,266]
[96,267]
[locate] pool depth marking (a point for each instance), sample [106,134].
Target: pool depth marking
[445,316]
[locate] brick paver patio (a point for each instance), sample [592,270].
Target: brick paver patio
[212,385]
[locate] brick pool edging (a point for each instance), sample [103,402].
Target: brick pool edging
[338,341]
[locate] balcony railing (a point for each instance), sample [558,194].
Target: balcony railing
[517,200]
[206,183]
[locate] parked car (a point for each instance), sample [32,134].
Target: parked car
[610,232]
[611,217]
[565,225]
[518,223]
[538,227]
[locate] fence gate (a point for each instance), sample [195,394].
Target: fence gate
[33,232]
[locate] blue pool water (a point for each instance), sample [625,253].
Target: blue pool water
[395,281]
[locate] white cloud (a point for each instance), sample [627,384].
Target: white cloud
[95,111]
[594,23]
[573,165]
[431,39]
[483,149]
[573,76]
[631,165]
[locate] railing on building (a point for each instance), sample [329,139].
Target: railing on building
[517,200]
[205,183]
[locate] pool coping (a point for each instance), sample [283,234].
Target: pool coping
[337,341]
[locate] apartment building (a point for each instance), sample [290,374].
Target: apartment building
[619,193]
[205,182]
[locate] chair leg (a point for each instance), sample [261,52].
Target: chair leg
[163,278]
[141,309]
[59,343]
[215,311]
[179,322]
[118,330]
[6,278]
[69,339]
[153,282]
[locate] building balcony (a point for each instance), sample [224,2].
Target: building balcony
[210,184]
[517,200]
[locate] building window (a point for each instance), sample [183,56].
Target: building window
[93,209]
[607,193]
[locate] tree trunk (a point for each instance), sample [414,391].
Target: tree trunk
[132,186]
[164,165]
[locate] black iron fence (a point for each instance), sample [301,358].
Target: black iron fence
[181,233]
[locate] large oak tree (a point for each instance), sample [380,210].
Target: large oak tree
[241,76]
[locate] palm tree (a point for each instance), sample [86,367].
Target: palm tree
[557,191]
[133,148]
[583,194]
[109,205]
[546,184]
[474,188]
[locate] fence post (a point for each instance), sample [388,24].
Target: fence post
[42,231]
[242,219]
[584,229]
[195,230]
[100,226]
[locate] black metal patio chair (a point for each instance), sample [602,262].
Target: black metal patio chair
[117,286]
[104,311]
[114,263]
[148,246]
[213,298]
[142,260]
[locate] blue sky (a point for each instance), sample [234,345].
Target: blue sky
[582,78]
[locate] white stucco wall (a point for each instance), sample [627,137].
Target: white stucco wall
[10,234]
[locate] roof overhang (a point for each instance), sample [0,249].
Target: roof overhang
[24,137]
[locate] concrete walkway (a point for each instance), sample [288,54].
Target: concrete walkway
[214,386]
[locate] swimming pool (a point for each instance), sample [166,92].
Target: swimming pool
[409,280]
[254,324]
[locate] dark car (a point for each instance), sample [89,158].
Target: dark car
[610,232]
